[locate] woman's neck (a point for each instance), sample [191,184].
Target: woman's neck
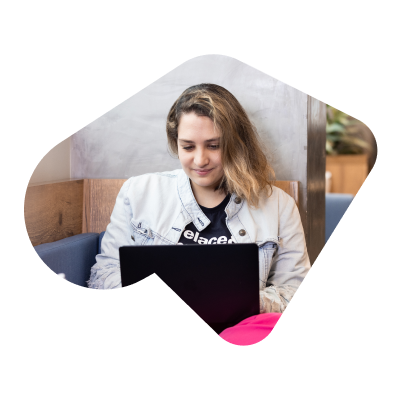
[207,196]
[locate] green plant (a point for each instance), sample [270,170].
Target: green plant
[342,134]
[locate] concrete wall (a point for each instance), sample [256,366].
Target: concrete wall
[130,139]
[55,165]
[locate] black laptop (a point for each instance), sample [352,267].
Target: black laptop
[219,282]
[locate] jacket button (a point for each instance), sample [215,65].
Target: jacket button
[242,232]
[237,200]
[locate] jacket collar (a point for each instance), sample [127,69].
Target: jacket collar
[191,206]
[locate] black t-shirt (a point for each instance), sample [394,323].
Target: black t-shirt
[215,233]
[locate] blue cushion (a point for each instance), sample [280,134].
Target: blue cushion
[100,242]
[74,256]
[336,205]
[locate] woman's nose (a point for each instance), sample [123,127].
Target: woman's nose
[201,159]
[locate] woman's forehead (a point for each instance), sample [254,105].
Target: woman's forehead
[194,126]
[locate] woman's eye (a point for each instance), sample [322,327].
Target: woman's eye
[212,146]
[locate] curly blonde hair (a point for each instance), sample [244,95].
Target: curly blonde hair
[246,170]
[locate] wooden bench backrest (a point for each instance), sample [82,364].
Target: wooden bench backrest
[54,211]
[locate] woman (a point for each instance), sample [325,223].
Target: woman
[222,194]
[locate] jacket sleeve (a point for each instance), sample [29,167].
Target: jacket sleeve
[105,274]
[290,263]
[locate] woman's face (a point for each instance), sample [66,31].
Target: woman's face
[199,151]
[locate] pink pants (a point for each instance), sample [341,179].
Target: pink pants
[251,330]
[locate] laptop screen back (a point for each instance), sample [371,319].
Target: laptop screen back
[219,282]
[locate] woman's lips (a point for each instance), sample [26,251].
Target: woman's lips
[203,172]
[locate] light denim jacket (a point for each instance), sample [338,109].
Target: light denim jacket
[154,209]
